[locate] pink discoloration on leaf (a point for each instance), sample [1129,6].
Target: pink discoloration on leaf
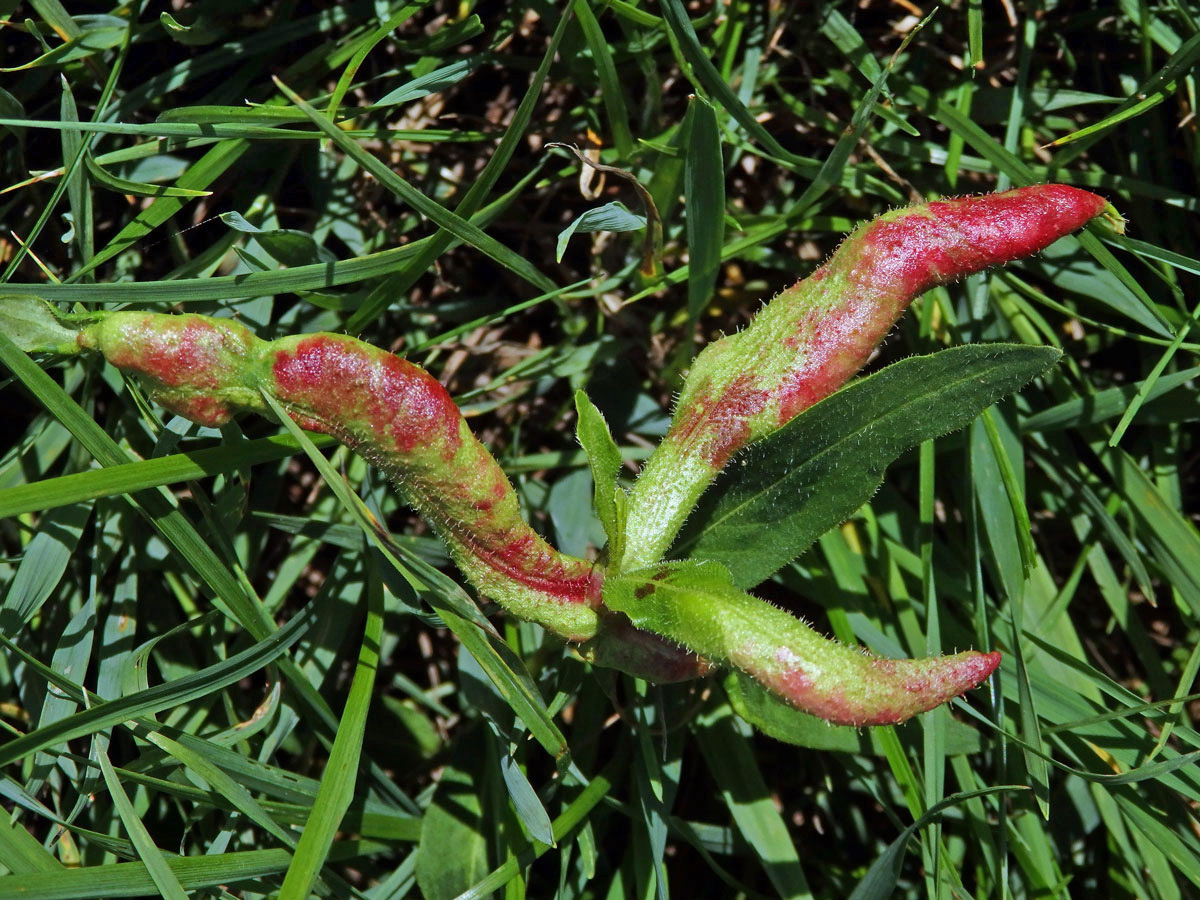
[392,412]
[895,258]
[844,309]
[814,336]
[192,365]
[642,653]
[696,603]
[192,352]
[879,691]
[716,424]
[339,380]
[532,562]
[910,252]
[486,503]
[796,682]
[829,348]
[203,410]
[880,268]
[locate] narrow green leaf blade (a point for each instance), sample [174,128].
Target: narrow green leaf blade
[611,92]
[131,879]
[156,864]
[135,188]
[453,820]
[704,199]
[675,15]
[225,784]
[736,771]
[125,478]
[23,854]
[1031,733]
[438,214]
[161,696]
[880,881]
[341,772]
[437,80]
[42,566]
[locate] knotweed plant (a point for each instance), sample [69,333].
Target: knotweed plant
[395,504]
[802,346]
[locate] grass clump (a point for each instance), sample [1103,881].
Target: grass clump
[215,682]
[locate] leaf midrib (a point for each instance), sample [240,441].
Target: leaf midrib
[830,448]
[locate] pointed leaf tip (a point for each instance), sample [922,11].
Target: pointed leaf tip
[697,605]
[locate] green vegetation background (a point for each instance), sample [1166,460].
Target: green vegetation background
[216,682]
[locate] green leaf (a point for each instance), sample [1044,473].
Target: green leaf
[1100,280]
[817,470]
[525,801]
[103,32]
[1180,849]
[437,80]
[570,819]
[201,32]
[156,865]
[290,247]
[23,854]
[135,188]
[1014,488]
[452,853]
[71,659]
[457,226]
[162,696]
[706,74]
[842,33]
[123,478]
[133,879]
[1106,404]
[693,603]
[1034,748]
[481,186]
[1149,94]
[79,195]
[341,772]
[219,780]
[199,176]
[655,779]
[611,92]
[1172,537]
[880,881]
[363,47]
[605,461]
[998,530]
[613,216]
[36,326]
[704,202]
[732,763]
[42,566]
